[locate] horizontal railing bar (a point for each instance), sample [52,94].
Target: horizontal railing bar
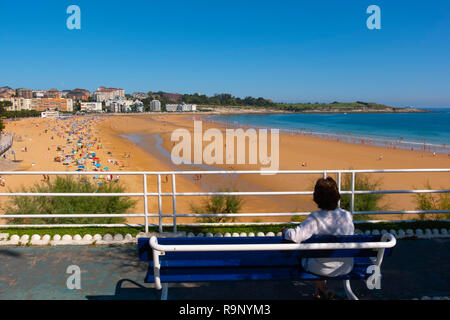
[42,194]
[87,215]
[105,173]
[93,225]
[256,214]
[400,191]
[243,193]
[196,224]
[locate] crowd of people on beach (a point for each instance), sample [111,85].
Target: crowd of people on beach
[81,149]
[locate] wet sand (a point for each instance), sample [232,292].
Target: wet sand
[150,144]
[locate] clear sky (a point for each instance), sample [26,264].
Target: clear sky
[290,51]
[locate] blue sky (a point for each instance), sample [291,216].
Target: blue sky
[291,51]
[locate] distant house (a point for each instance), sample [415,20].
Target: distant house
[24,93]
[155,105]
[52,114]
[91,106]
[53,94]
[182,107]
[173,96]
[139,95]
[79,94]
[103,94]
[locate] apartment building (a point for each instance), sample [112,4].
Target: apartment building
[155,105]
[24,93]
[183,107]
[43,104]
[91,106]
[103,94]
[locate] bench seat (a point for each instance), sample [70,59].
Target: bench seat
[209,266]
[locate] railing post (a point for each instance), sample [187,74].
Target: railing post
[324,174]
[159,203]
[145,204]
[339,175]
[174,203]
[352,199]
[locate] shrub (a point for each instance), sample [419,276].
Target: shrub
[69,205]
[219,204]
[363,202]
[431,202]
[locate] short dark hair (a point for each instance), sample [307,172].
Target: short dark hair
[326,194]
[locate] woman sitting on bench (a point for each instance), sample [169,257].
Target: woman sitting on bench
[329,220]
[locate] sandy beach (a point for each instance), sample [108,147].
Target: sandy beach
[104,136]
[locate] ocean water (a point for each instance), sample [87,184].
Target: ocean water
[430,128]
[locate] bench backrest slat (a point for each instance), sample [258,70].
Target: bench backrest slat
[268,258]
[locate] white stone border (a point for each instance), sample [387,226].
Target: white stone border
[433,298]
[117,239]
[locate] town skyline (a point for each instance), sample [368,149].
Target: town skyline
[287,51]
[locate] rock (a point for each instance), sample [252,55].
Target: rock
[141,235]
[260,234]
[77,238]
[56,237]
[24,239]
[218,235]
[190,235]
[97,237]
[235,234]
[66,238]
[251,234]
[128,237]
[118,237]
[107,237]
[87,237]
[270,234]
[200,234]
[243,234]
[209,235]
[227,234]
[4,236]
[14,239]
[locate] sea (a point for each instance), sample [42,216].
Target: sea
[426,131]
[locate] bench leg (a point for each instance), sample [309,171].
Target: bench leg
[348,291]
[165,289]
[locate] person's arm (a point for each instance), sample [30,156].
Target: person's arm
[303,232]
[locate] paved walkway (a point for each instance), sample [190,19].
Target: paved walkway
[417,268]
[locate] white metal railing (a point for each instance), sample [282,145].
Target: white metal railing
[5,142]
[145,194]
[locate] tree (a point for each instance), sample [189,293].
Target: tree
[363,202]
[69,205]
[219,204]
[432,202]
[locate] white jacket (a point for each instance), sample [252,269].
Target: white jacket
[325,222]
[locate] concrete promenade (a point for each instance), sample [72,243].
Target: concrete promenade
[417,268]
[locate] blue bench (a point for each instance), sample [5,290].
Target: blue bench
[198,259]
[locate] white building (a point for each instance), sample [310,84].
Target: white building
[103,94]
[18,104]
[155,105]
[181,107]
[52,114]
[91,106]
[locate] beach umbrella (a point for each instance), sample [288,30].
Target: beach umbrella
[80,167]
[105,168]
[98,165]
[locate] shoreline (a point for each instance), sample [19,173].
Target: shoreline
[293,150]
[443,148]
